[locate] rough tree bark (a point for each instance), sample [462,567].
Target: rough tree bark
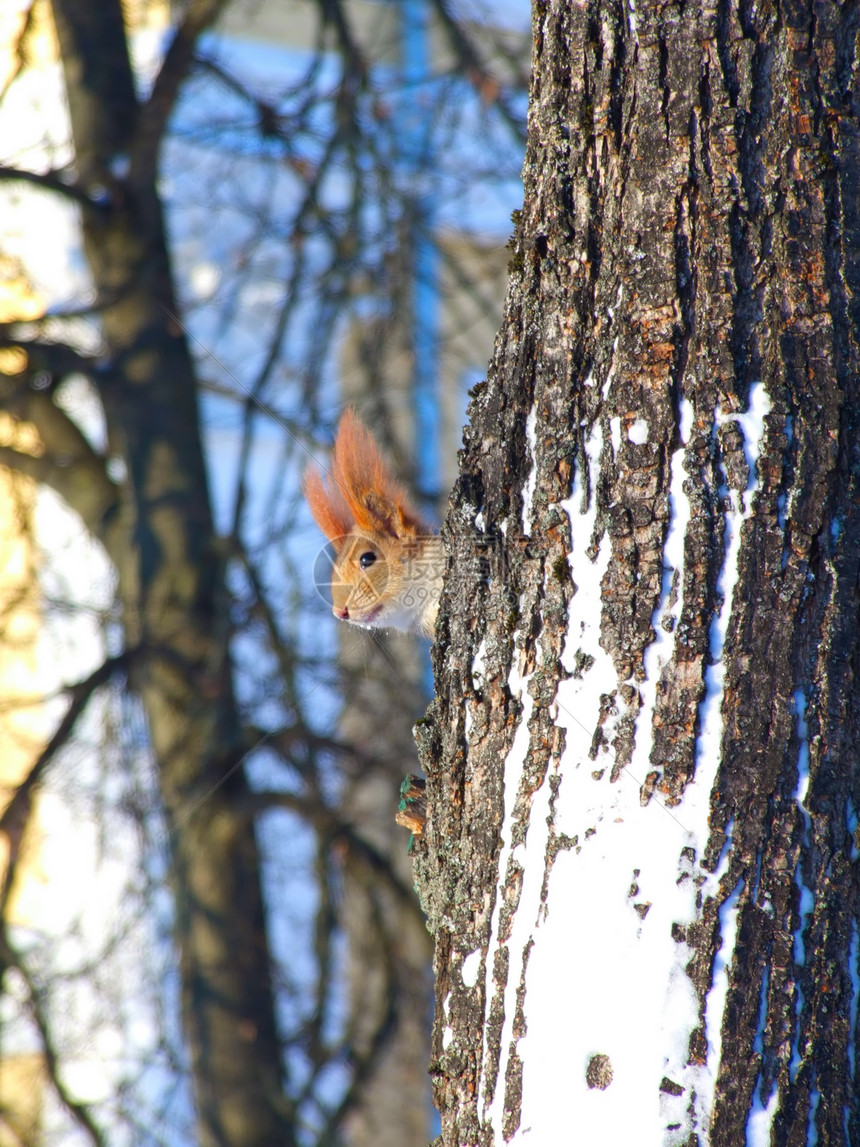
[679,348]
[160,533]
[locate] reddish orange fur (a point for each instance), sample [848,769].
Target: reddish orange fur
[359,488]
[327,506]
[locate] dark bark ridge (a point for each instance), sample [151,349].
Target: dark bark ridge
[689,236]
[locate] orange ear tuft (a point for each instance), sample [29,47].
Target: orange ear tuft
[375,500]
[360,491]
[327,505]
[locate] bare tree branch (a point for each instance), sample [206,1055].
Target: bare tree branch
[57,358]
[68,463]
[355,63]
[72,480]
[79,696]
[53,181]
[179,57]
[473,66]
[79,1112]
[330,824]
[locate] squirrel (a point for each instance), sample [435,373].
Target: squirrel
[388,563]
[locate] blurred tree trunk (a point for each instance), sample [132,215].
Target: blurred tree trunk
[389,949]
[642,761]
[388,966]
[161,536]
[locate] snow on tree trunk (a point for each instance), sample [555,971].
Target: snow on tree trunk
[642,760]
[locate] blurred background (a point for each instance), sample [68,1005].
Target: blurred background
[336,180]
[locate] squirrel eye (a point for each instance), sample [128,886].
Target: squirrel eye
[367,560]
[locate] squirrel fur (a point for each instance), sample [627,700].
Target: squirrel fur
[388,563]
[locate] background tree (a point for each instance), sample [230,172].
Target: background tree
[646,916]
[234,227]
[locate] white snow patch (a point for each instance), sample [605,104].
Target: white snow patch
[447,1031]
[610,374]
[761,1114]
[760,1120]
[751,422]
[607,992]
[530,857]
[619,295]
[807,899]
[802,755]
[629,870]
[738,510]
[605,971]
[708,744]
[630,997]
[479,663]
[631,20]
[666,614]
[531,481]
[716,1004]
[470,967]
[687,414]
[637,432]
[615,434]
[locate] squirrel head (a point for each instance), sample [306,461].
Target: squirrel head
[382,574]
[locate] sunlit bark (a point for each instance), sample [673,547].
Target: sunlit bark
[642,762]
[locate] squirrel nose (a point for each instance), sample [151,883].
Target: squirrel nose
[342,613]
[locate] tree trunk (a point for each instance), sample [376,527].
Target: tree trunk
[171,584]
[642,760]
